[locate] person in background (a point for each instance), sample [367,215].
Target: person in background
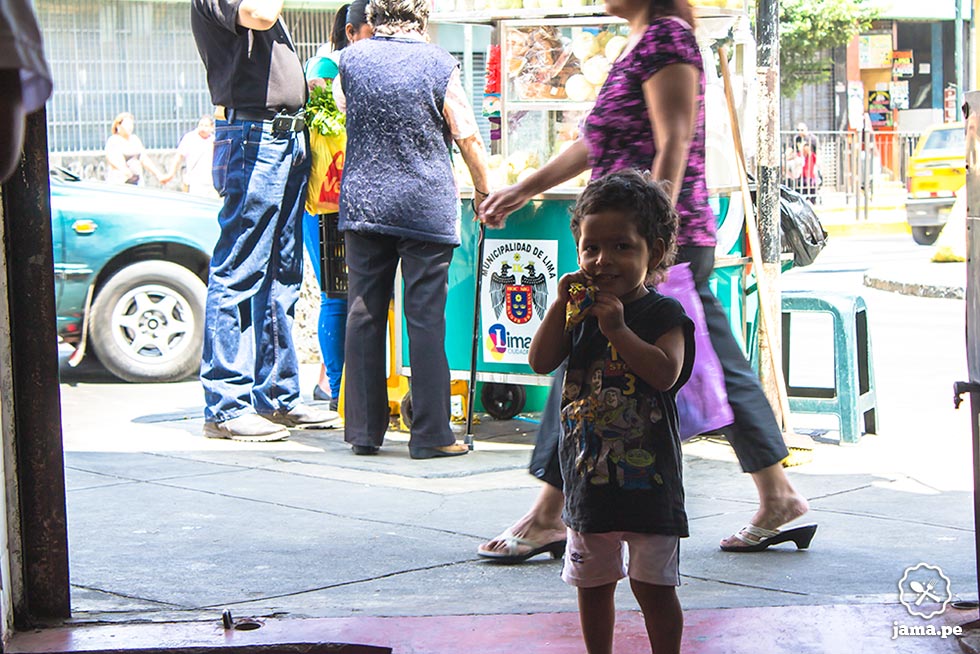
[399,203]
[649,115]
[793,164]
[810,172]
[350,25]
[25,78]
[125,154]
[803,135]
[196,149]
[249,368]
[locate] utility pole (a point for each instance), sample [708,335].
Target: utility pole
[958,57]
[767,179]
[975,46]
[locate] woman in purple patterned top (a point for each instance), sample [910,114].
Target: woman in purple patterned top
[649,115]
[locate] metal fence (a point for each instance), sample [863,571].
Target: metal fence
[846,159]
[109,56]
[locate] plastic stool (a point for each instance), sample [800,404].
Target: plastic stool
[853,395]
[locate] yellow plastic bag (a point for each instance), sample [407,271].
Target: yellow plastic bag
[327,165]
[951,245]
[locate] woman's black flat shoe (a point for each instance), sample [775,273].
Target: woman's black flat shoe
[365,450]
[320,395]
[437,452]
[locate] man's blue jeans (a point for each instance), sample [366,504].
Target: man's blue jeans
[249,362]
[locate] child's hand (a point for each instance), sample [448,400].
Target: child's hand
[567,280]
[608,310]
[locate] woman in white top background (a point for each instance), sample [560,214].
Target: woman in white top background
[125,154]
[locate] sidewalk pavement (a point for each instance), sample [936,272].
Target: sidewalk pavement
[887,216]
[167,529]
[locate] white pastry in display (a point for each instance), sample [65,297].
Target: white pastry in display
[578,89]
[615,46]
[584,45]
[596,69]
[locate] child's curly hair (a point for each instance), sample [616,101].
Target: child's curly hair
[634,193]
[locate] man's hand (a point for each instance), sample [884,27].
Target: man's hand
[259,15]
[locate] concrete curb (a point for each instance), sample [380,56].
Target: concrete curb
[927,288]
[970,640]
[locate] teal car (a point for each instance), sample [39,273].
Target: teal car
[131,268]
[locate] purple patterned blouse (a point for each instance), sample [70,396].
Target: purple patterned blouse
[618,130]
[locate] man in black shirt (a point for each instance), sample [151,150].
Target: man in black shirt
[249,370]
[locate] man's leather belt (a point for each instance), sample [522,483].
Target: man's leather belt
[282,121]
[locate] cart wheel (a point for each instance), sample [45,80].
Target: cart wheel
[406,410]
[503,401]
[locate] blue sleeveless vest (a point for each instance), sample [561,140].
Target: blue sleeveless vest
[398,178]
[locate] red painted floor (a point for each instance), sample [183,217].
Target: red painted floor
[867,629]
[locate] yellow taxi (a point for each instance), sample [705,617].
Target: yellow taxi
[937,171]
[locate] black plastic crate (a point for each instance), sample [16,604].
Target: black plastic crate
[333,261]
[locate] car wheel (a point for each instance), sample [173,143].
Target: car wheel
[926,235]
[147,322]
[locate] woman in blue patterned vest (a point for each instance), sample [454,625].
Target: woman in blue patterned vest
[405,106]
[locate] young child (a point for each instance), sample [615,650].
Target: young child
[620,450]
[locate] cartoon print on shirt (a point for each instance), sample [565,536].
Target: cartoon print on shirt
[606,419]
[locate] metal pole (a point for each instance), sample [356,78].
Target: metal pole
[972,110]
[973,235]
[857,157]
[958,57]
[471,390]
[767,178]
[468,57]
[869,144]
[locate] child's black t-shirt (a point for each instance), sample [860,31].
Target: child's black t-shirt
[620,448]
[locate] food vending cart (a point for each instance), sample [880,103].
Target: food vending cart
[552,59]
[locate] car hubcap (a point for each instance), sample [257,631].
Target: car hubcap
[152,322]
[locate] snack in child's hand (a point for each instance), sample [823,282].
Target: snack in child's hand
[580,299]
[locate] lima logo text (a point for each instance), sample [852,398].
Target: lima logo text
[499,342]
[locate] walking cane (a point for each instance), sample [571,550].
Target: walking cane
[471,389]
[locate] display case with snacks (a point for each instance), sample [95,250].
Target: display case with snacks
[545,65]
[549,78]
[552,63]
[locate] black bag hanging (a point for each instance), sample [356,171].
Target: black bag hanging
[800,230]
